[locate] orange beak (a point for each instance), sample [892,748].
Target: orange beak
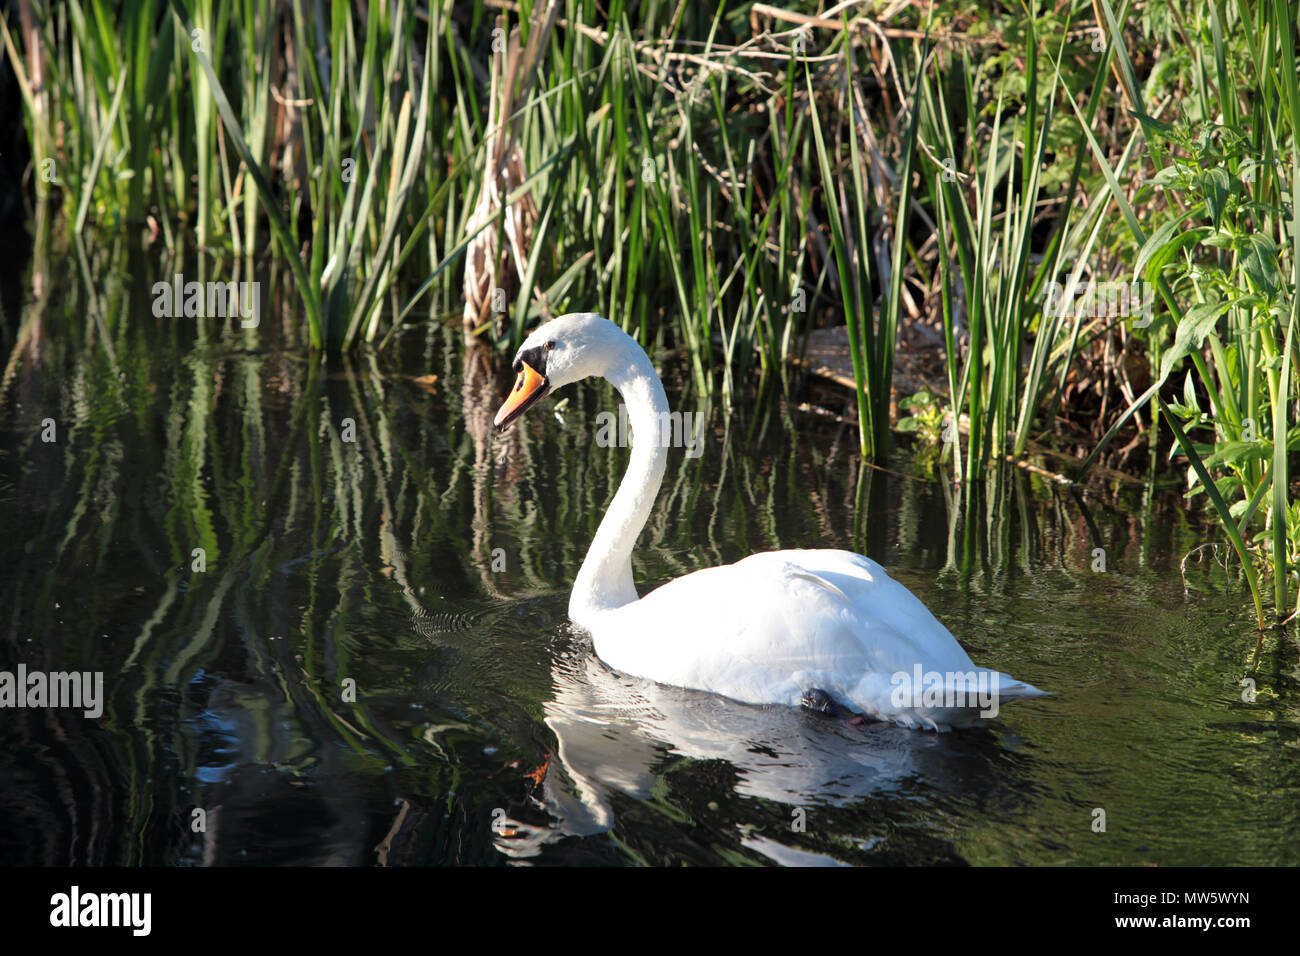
[529,387]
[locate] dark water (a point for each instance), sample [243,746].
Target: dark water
[483,730]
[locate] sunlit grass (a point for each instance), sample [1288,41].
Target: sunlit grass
[1225,265]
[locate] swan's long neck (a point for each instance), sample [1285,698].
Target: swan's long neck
[605,580]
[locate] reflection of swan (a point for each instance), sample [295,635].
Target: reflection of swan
[780,627]
[616,734]
[610,730]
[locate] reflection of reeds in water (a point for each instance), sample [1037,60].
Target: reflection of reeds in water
[478,400]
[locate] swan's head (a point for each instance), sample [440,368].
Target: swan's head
[562,351]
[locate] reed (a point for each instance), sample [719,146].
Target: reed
[724,181]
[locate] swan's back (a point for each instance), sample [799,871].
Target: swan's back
[767,629]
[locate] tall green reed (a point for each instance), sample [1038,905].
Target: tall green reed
[1226,268]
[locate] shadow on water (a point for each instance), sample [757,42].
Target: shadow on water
[329,605]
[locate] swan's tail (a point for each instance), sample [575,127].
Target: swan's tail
[1002,689]
[1011,689]
[941,701]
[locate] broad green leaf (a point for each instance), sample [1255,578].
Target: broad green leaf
[1156,241]
[1169,176]
[1162,256]
[1235,452]
[1217,187]
[1259,260]
[1198,322]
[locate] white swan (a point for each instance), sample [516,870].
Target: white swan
[782,627]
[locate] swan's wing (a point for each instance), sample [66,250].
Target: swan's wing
[882,604]
[746,631]
[769,627]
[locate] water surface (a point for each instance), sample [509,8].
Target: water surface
[361,530]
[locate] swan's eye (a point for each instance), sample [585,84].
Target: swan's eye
[550,345]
